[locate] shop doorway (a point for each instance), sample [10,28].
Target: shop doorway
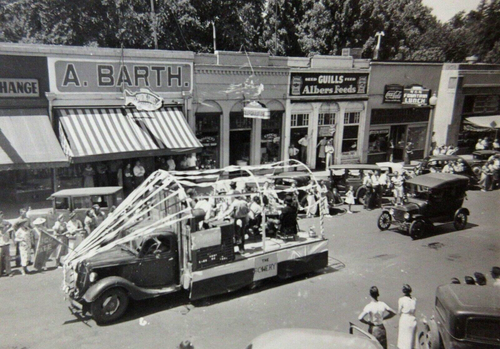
[295,135]
[398,142]
[239,144]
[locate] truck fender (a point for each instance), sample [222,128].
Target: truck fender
[102,285]
[463,210]
[422,217]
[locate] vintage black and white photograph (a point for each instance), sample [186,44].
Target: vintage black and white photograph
[250,174]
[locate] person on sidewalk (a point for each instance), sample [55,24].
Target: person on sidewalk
[303,142]
[329,150]
[407,322]
[25,239]
[139,173]
[5,229]
[374,315]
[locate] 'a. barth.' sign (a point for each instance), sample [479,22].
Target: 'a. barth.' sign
[255,111]
[143,100]
[90,76]
[19,88]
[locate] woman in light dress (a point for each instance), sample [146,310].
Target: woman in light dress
[407,320]
[24,237]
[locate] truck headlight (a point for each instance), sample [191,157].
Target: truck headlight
[407,216]
[93,277]
[391,211]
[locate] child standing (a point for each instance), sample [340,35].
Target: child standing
[349,198]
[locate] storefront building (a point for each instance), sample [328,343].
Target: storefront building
[327,101]
[468,105]
[111,108]
[29,150]
[399,115]
[239,104]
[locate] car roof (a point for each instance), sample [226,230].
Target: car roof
[355,167]
[485,152]
[75,192]
[443,157]
[471,299]
[292,175]
[437,180]
[302,338]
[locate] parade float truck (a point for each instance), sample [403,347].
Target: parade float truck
[153,245]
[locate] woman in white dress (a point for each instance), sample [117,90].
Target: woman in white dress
[407,320]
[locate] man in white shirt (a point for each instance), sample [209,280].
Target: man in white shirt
[303,148]
[191,162]
[374,315]
[171,164]
[495,274]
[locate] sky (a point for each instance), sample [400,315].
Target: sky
[445,9]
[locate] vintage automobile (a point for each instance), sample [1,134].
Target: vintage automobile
[464,317]
[303,338]
[479,158]
[436,163]
[434,197]
[345,175]
[284,180]
[78,200]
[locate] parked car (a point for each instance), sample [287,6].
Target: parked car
[78,200]
[479,158]
[302,338]
[345,175]
[436,163]
[284,180]
[431,198]
[464,317]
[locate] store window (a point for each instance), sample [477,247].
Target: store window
[239,139]
[378,141]
[486,104]
[299,120]
[327,118]
[207,132]
[351,129]
[417,136]
[271,138]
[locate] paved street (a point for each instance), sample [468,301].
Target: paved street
[35,315]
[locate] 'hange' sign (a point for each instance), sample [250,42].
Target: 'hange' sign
[328,84]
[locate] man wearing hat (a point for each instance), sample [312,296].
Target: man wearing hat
[99,214]
[24,237]
[5,228]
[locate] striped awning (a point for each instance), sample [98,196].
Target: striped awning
[28,142]
[96,134]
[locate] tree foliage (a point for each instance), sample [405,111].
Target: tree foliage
[281,27]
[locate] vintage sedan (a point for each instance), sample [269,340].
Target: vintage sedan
[436,163]
[303,338]
[464,317]
[431,198]
[78,200]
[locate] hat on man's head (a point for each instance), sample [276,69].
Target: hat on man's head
[495,272]
[469,280]
[480,278]
[39,221]
[455,281]
[96,206]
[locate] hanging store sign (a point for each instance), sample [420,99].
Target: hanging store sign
[328,84]
[326,131]
[12,88]
[393,94]
[255,111]
[145,99]
[208,141]
[416,95]
[113,76]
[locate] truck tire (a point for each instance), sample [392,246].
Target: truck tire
[429,337]
[110,305]
[417,229]
[384,221]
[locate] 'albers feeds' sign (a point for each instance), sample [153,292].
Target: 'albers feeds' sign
[328,84]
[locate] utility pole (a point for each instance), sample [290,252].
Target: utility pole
[153,23]
[214,35]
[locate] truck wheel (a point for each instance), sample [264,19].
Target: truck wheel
[460,221]
[429,338]
[109,306]
[384,221]
[417,229]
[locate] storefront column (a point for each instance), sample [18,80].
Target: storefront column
[313,136]
[286,130]
[255,143]
[224,136]
[339,135]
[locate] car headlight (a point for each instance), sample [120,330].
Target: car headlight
[93,277]
[391,211]
[407,215]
